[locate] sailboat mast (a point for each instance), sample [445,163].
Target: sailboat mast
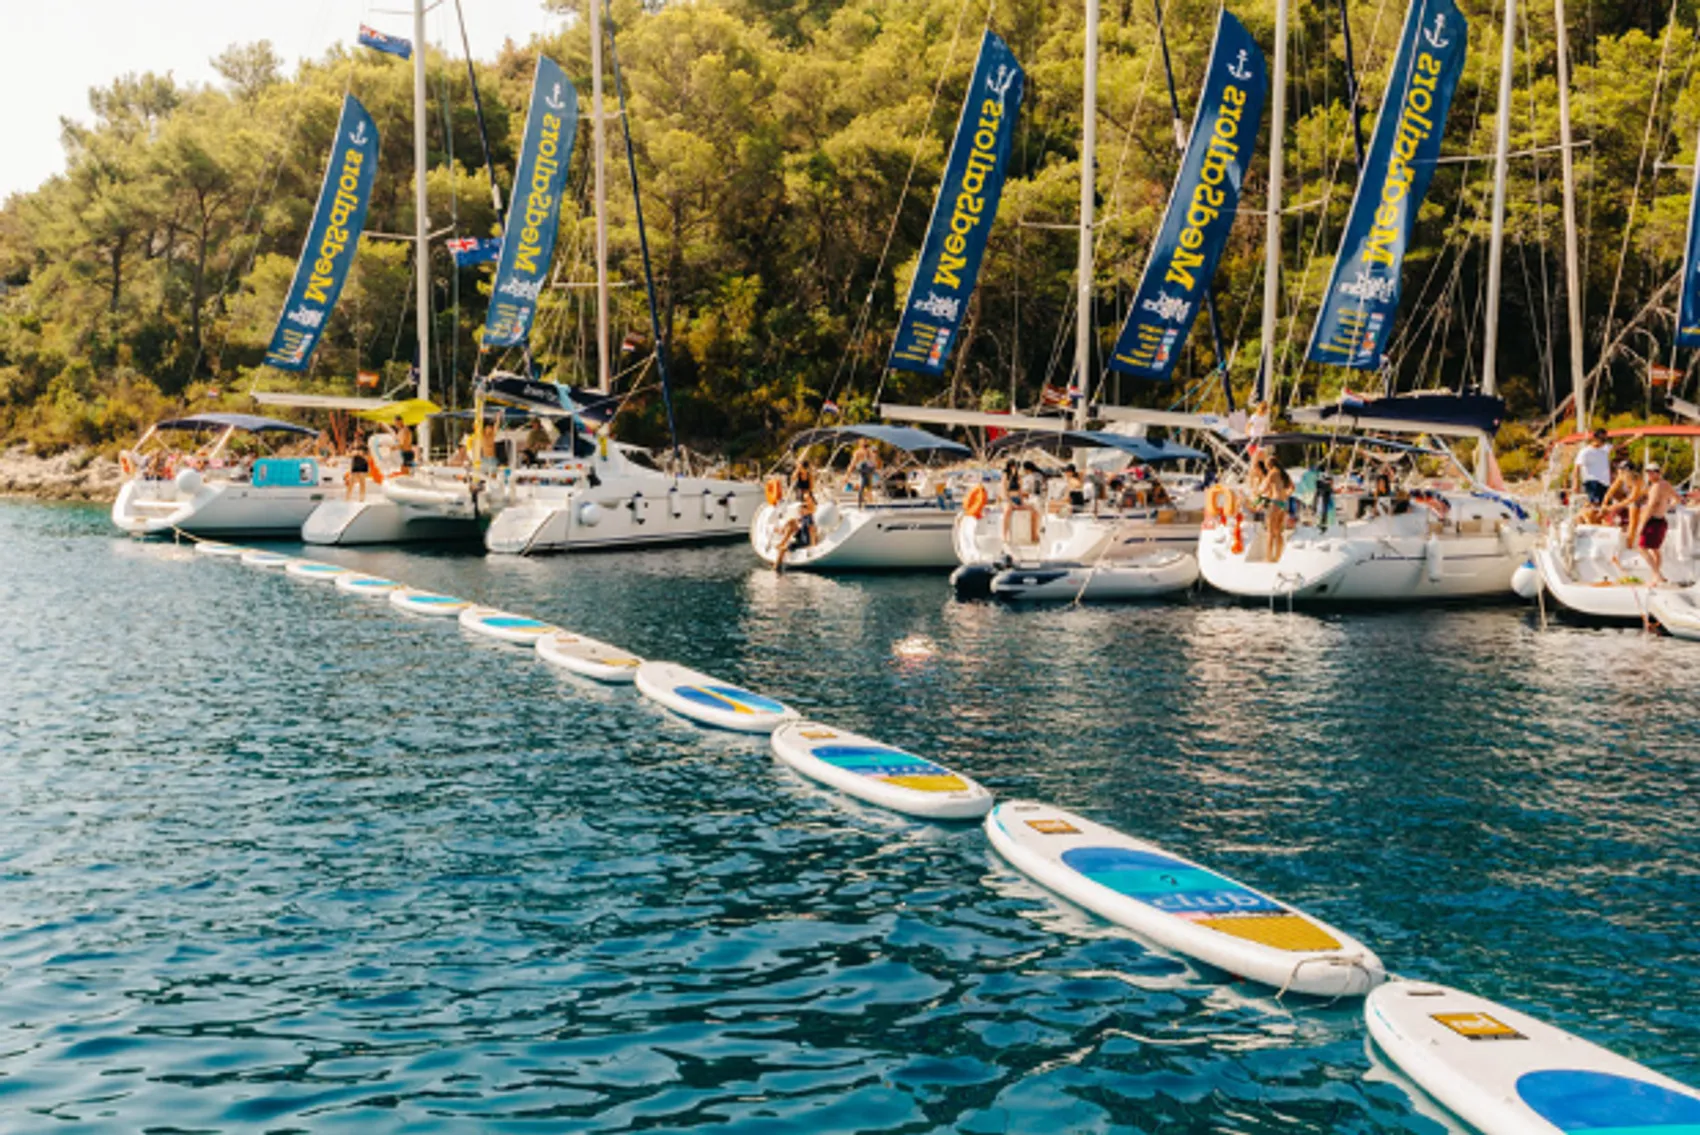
[1572,268]
[1088,180]
[1501,155]
[1272,222]
[1088,188]
[421,221]
[599,161]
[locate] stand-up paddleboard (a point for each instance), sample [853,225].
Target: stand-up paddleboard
[427,603]
[367,586]
[709,701]
[264,559]
[498,624]
[1677,611]
[1508,1074]
[881,775]
[588,657]
[215,548]
[1179,905]
[311,569]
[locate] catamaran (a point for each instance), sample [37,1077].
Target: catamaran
[903,521]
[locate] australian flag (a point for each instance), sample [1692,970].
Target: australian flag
[389,44]
[472,250]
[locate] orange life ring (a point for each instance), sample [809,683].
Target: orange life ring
[1219,504]
[775,490]
[975,504]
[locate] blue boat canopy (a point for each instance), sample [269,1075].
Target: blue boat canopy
[1437,412]
[907,438]
[1139,448]
[252,423]
[1345,441]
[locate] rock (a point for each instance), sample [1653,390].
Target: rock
[76,474]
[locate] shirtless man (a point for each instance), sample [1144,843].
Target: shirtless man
[1656,505]
[865,464]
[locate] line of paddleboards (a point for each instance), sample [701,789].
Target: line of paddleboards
[1179,904]
[878,773]
[1506,1073]
[366,586]
[429,603]
[260,558]
[709,701]
[504,626]
[588,657]
[312,569]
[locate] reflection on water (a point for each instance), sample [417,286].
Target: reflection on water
[279,859]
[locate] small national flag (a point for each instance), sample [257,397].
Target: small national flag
[366,379]
[632,342]
[1053,396]
[473,250]
[829,407]
[214,392]
[388,44]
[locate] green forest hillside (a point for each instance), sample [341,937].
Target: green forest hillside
[788,152]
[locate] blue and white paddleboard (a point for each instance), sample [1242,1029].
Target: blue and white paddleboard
[427,603]
[709,701]
[887,777]
[264,559]
[367,586]
[1180,905]
[504,626]
[1506,1073]
[312,569]
[587,657]
[215,548]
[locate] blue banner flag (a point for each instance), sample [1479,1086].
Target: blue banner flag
[388,44]
[1201,207]
[1362,300]
[962,213]
[1688,310]
[529,242]
[472,250]
[332,242]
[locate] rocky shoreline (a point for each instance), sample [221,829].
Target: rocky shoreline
[75,475]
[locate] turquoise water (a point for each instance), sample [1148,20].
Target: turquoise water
[278,859]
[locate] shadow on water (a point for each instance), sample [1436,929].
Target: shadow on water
[276,858]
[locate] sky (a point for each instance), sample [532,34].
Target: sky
[55,51]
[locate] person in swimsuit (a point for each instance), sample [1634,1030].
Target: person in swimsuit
[404,442]
[1076,487]
[1029,492]
[865,463]
[1272,496]
[1657,501]
[803,480]
[1621,499]
[359,469]
[799,531]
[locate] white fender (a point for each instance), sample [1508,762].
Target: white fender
[189,482]
[1435,557]
[590,514]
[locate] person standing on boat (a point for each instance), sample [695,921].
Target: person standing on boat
[404,443]
[1273,492]
[1592,472]
[1656,504]
[865,462]
[359,469]
[803,480]
[1621,499]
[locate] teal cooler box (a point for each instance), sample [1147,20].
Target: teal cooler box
[285,472]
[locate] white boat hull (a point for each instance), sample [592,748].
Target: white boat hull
[1588,571]
[1150,577]
[403,510]
[216,508]
[662,511]
[885,537]
[1394,559]
[1678,612]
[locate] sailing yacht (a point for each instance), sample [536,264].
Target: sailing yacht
[903,522]
[598,494]
[213,490]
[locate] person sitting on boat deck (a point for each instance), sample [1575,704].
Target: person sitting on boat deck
[1076,488]
[799,531]
[1157,493]
[1273,493]
[1592,471]
[1622,497]
[404,443]
[1657,502]
[1029,492]
[865,464]
[359,469]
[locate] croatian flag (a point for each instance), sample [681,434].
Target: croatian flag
[472,250]
[829,407]
[388,44]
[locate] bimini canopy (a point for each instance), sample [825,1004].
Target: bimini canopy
[251,423]
[411,411]
[1632,433]
[1139,448]
[1437,413]
[550,399]
[907,438]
